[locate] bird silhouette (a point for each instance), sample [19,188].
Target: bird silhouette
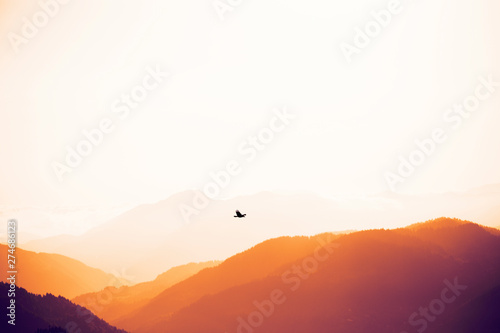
[239,215]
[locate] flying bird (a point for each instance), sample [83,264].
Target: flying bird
[239,215]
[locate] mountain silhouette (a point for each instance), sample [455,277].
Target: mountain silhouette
[48,313]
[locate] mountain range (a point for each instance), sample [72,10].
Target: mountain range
[111,302]
[56,274]
[176,241]
[374,279]
[48,313]
[439,276]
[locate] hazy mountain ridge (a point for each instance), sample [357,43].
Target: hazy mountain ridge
[111,302]
[270,215]
[57,274]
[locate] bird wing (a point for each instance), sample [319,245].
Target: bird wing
[238,213]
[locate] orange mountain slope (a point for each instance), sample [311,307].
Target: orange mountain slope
[253,264]
[374,281]
[112,302]
[41,273]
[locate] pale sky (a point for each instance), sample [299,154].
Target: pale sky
[352,120]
